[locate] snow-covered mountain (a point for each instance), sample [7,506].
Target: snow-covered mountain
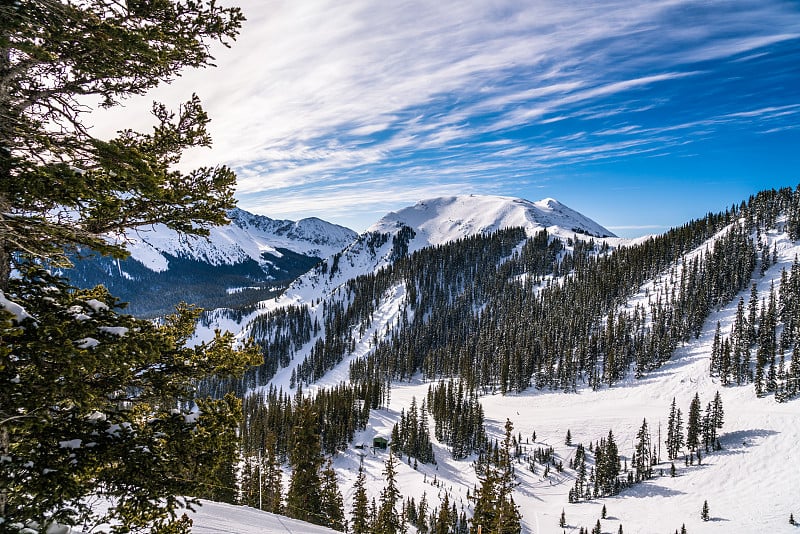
[252,258]
[440,220]
[437,221]
[247,237]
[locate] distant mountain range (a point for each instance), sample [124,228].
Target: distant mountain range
[256,258]
[250,259]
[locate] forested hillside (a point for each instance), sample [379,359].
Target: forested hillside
[514,314]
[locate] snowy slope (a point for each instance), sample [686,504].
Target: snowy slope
[751,485]
[218,518]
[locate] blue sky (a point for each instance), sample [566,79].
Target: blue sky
[639,114]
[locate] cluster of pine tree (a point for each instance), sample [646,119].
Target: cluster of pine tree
[495,510]
[520,336]
[410,436]
[383,516]
[761,335]
[458,418]
[701,429]
[339,412]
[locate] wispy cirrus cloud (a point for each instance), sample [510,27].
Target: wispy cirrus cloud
[426,97]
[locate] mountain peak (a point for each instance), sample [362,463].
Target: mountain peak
[443,219]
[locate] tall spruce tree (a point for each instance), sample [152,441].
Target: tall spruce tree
[643,456]
[495,510]
[360,520]
[693,425]
[304,499]
[82,373]
[332,502]
[388,520]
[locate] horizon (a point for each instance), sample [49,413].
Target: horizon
[640,116]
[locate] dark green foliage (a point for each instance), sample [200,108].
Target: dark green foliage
[93,387]
[704,512]
[304,499]
[458,418]
[332,502]
[411,435]
[642,457]
[674,439]
[340,411]
[495,510]
[607,466]
[693,425]
[388,520]
[360,521]
[263,468]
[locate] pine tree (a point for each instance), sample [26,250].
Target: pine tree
[273,475]
[643,464]
[704,512]
[360,508]
[495,510]
[332,503]
[791,519]
[61,189]
[718,414]
[562,522]
[116,382]
[693,426]
[304,499]
[672,432]
[388,521]
[603,512]
[568,439]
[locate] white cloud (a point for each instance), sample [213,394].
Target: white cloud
[315,91]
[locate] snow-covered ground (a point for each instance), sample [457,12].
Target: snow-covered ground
[218,518]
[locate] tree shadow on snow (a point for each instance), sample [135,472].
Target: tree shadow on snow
[648,489]
[739,441]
